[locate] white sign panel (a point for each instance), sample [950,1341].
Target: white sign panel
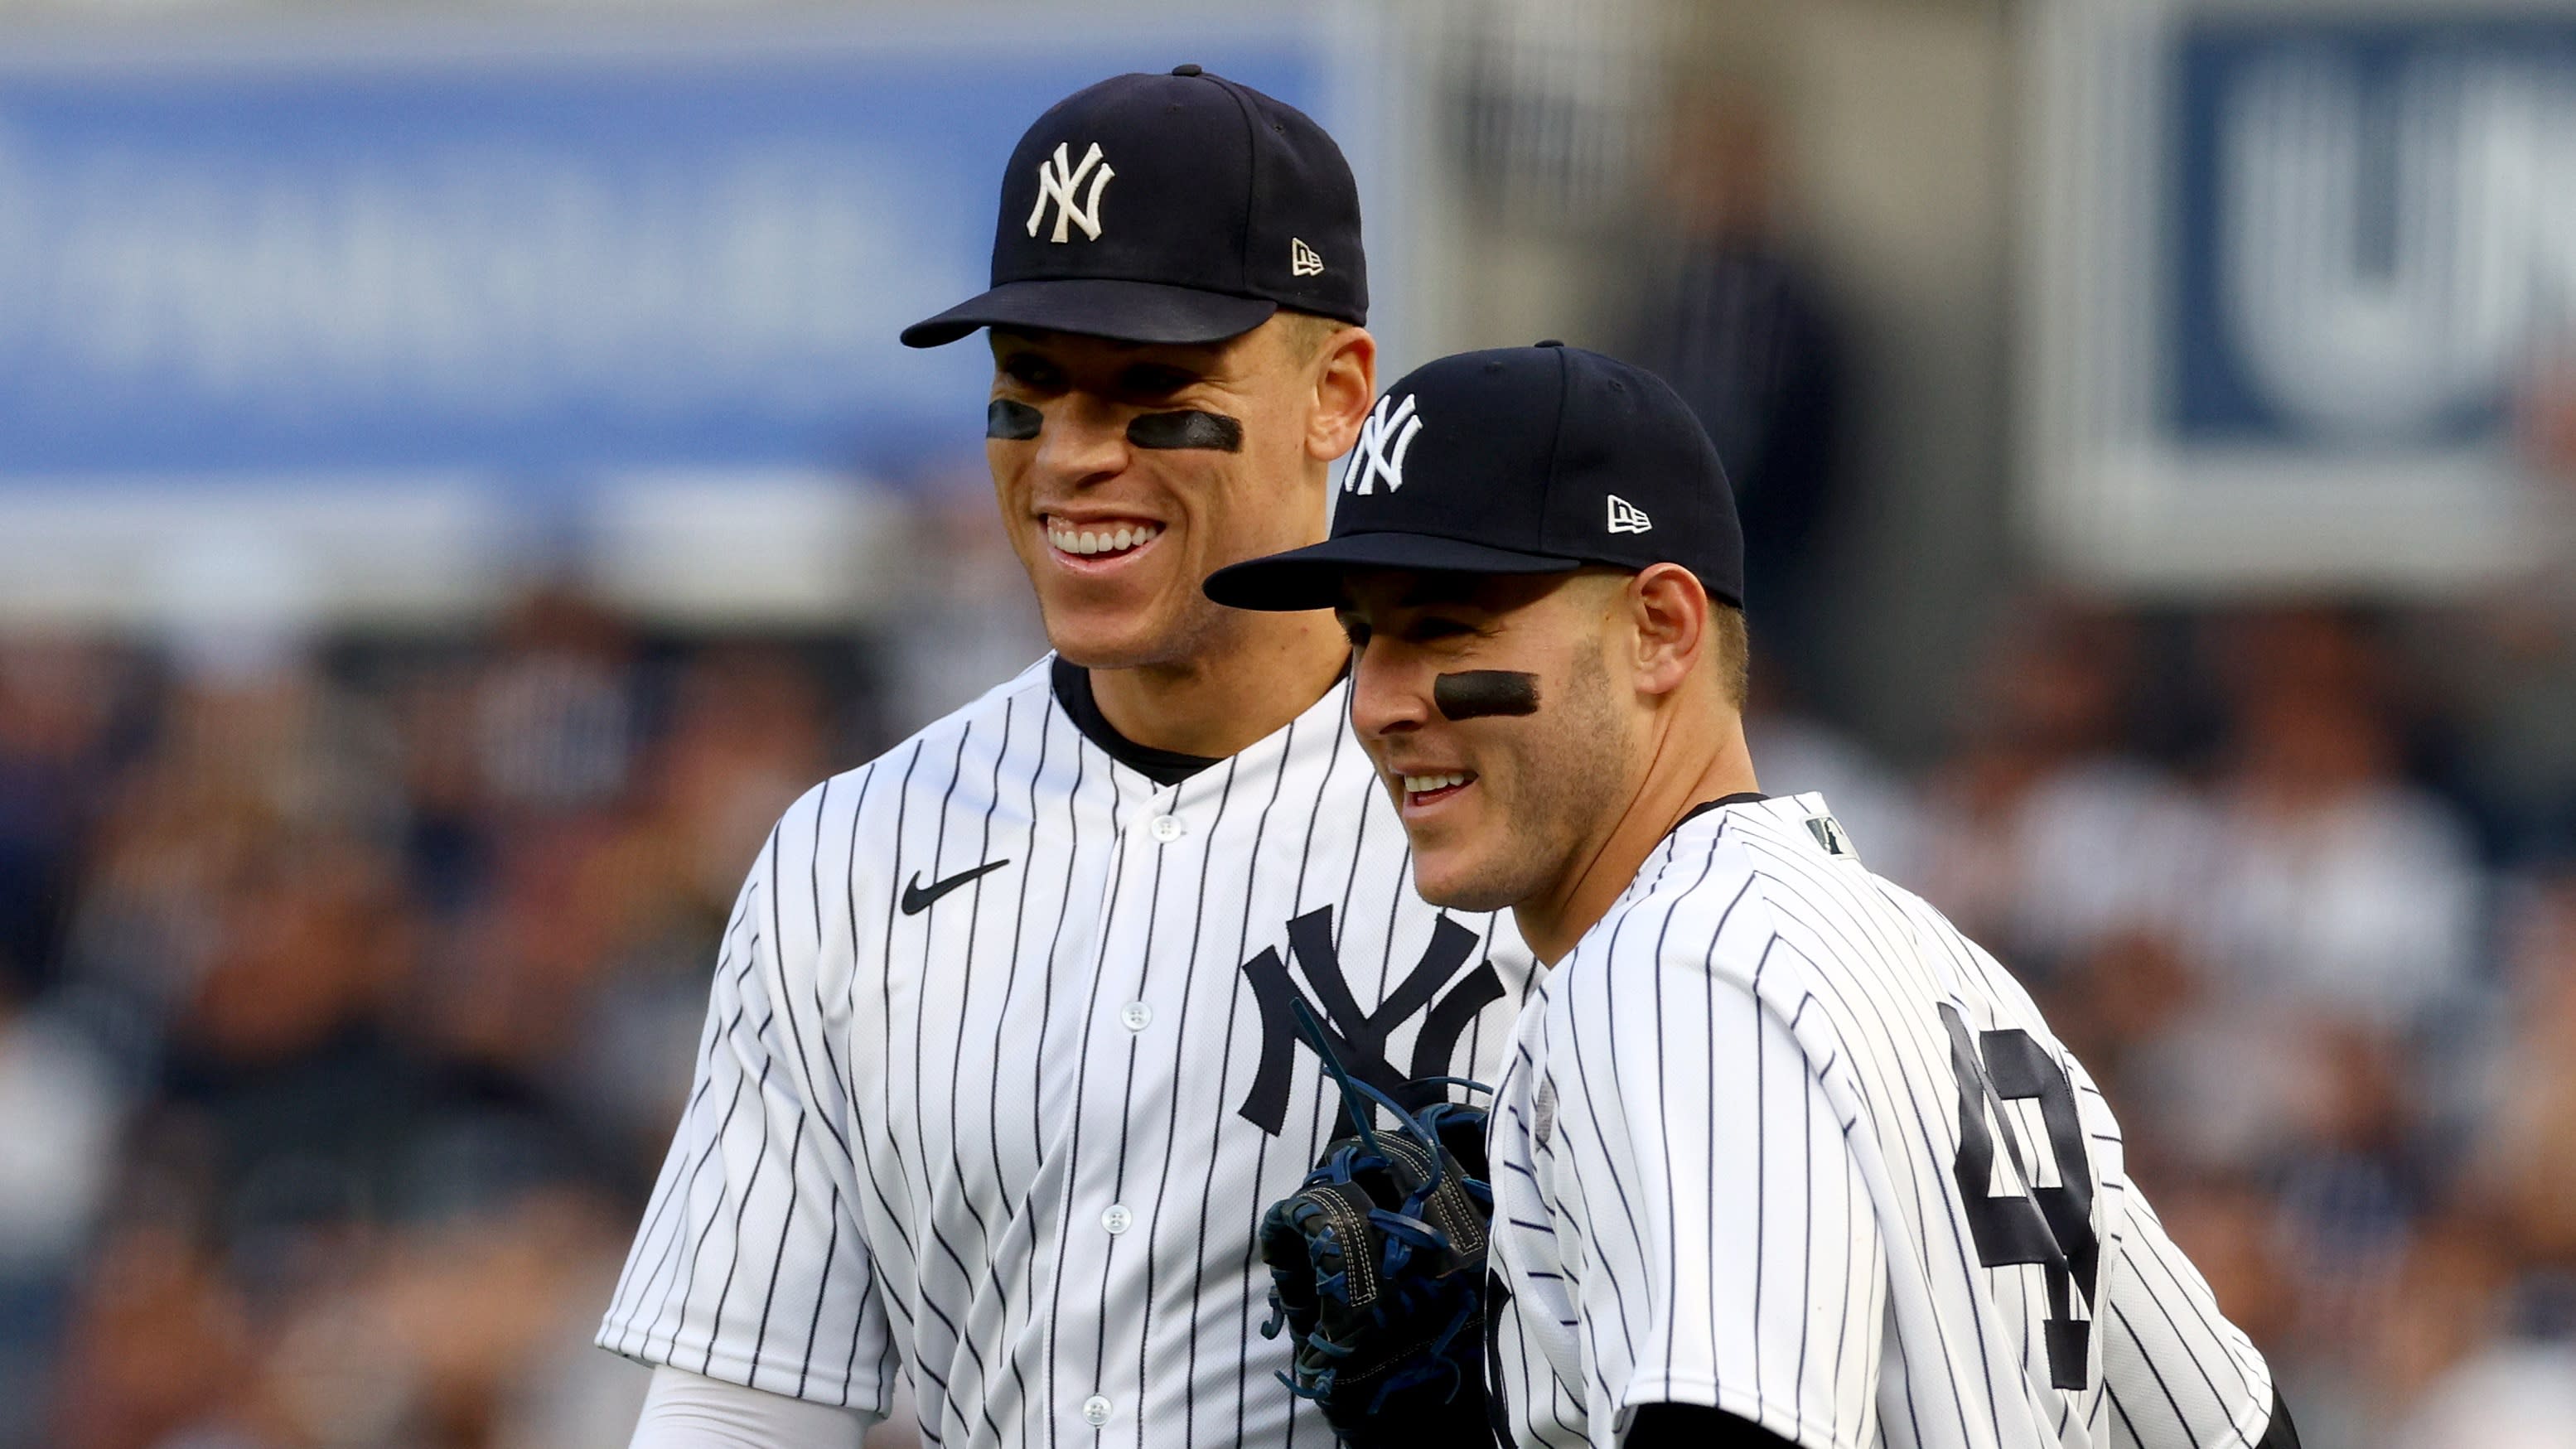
[2302,278]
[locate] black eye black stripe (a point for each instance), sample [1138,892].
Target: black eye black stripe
[1475,693]
[1012,422]
[1188,428]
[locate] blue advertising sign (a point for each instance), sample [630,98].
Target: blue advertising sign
[2373,222]
[2301,274]
[529,259]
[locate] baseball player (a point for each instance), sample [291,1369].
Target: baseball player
[1003,1058]
[1780,1157]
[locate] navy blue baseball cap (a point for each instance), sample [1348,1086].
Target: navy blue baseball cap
[1168,208]
[1523,460]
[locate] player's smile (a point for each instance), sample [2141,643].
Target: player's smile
[1098,544]
[1419,792]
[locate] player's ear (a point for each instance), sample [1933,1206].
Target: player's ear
[1669,614]
[1345,373]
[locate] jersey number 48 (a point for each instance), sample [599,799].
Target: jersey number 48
[2050,1226]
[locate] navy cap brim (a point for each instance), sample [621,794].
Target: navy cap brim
[1311,577]
[1098,307]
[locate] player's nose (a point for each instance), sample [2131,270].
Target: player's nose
[1083,440]
[1389,695]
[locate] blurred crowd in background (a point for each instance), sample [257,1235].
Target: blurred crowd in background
[350,976]
[350,990]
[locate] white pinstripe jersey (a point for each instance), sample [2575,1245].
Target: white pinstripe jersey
[1777,1139]
[1000,1073]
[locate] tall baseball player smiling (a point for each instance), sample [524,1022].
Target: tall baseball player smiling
[1002,1065]
[1780,1157]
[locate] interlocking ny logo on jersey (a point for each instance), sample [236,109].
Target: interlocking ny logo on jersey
[1058,179]
[1360,1038]
[1388,431]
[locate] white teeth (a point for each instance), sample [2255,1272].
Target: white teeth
[1118,540]
[1425,784]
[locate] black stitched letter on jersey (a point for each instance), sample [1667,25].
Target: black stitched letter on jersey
[1358,1037]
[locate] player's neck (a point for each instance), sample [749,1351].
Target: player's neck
[1689,767]
[1271,669]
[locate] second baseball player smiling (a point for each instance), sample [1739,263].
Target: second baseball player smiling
[1756,1178]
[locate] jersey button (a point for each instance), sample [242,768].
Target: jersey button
[1167,828]
[1117,1219]
[1096,1409]
[1136,1015]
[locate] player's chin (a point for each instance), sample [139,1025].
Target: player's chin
[1120,628]
[1454,875]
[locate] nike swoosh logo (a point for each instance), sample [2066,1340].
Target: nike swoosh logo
[916,900]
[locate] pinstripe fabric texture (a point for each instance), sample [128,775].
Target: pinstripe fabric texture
[1009,1128]
[1732,1162]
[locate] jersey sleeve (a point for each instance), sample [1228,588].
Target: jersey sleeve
[750,1266]
[2175,1373]
[1731,1255]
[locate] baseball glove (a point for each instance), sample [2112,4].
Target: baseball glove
[1377,1270]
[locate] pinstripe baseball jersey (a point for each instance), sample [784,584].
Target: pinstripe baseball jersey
[1001,1069]
[1777,1139]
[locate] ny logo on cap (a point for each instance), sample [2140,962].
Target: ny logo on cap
[1627,517]
[1384,436]
[1057,180]
[1302,260]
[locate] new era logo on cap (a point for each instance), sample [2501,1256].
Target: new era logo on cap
[1627,517]
[1057,180]
[1302,261]
[1385,435]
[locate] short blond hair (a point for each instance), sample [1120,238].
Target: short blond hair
[1305,333]
[1730,652]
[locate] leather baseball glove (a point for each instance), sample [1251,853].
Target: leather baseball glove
[1377,1270]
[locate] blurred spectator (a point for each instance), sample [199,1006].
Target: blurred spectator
[554,714]
[60,1108]
[2055,838]
[59,704]
[59,1111]
[2524,1163]
[967,622]
[157,1348]
[2337,888]
[1739,325]
[2504,674]
[2511,1396]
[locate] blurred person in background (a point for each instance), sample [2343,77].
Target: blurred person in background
[62,1106]
[2059,838]
[1739,324]
[2481,1335]
[553,713]
[2340,889]
[2500,677]
[62,702]
[968,618]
